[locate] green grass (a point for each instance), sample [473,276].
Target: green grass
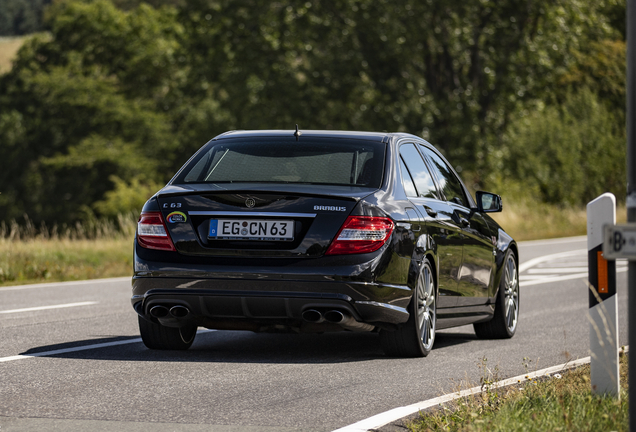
[98,249]
[564,404]
[533,221]
[34,261]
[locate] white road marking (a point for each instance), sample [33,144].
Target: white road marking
[539,281]
[535,261]
[39,308]
[79,348]
[65,284]
[556,270]
[68,350]
[387,417]
[524,278]
[552,279]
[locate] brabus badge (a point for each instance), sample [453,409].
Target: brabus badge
[249,203]
[330,208]
[176,217]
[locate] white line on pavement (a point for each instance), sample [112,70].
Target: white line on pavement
[65,284]
[387,417]
[533,262]
[68,350]
[524,283]
[556,270]
[39,308]
[79,348]
[552,279]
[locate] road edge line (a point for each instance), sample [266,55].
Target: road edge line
[81,348]
[382,419]
[65,283]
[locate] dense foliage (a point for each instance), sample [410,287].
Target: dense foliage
[18,17]
[102,109]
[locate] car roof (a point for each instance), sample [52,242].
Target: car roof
[371,136]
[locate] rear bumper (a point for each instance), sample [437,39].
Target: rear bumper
[261,305]
[261,294]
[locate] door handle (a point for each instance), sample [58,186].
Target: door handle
[430,211]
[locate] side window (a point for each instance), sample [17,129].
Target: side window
[420,174]
[450,184]
[407,181]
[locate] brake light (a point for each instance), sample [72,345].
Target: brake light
[361,234]
[152,232]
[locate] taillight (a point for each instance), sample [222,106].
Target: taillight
[361,234]
[152,232]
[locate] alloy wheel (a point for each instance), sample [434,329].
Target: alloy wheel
[426,310]
[511,294]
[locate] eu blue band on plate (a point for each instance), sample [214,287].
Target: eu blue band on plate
[213,227]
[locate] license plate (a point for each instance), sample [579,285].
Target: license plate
[251,229]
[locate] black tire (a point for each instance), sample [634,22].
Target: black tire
[503,324]
[156,336]
[416,337]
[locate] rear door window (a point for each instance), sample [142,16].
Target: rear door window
[418,170]
[449,183]
[407,180]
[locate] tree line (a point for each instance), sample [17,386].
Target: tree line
[100,109]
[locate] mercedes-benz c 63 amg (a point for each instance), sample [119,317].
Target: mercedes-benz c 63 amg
[318,231]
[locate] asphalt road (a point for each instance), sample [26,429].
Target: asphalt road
[240,381]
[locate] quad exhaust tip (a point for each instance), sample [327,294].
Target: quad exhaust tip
[177,311]
[159,311]
[335,316]
[332,316]
[312,316]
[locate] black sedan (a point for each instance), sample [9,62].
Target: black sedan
[315,231]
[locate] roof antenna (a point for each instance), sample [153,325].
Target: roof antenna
[297,133]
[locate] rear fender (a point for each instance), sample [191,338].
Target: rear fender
[425,247]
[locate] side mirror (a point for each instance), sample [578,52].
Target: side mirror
[488,202]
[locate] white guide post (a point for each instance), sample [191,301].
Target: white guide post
[603,312]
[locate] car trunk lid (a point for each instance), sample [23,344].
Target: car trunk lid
[256,220]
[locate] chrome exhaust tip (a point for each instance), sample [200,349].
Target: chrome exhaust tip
[335,316]
[313,316]
[179,311]
[159,311]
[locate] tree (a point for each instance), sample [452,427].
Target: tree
[112,97]
[21,17]
[84,105]
[569,153]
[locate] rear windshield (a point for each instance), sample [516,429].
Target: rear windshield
[308,161]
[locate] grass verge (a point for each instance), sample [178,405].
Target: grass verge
[560,403]
[53,260]
[533,221]
[97,249]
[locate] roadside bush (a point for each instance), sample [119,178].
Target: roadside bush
[570,153]
[126,197]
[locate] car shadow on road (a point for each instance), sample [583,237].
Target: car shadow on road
[241,347]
